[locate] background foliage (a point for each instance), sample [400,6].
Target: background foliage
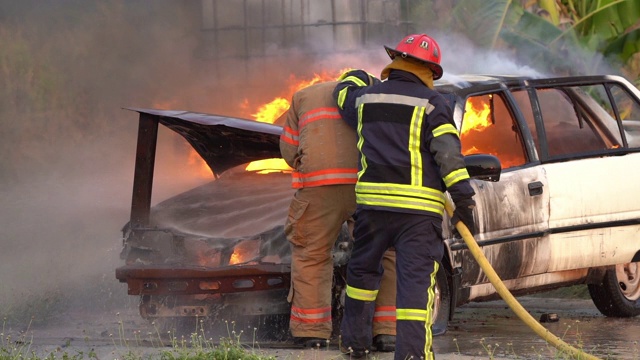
[564,37]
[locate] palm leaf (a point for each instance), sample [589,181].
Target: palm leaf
[602,18]
[625,46]
[481,21]
[607,26]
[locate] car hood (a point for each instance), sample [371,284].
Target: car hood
[238,204]
[222,141]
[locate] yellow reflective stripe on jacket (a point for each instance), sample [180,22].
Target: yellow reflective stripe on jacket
[455,176]
[400,196]
[400,202]
[401,189]
[356,80]
[363,159]
[414,145]
[445,129]
[342,96]
[361,294]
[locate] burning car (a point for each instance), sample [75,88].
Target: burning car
[554,163]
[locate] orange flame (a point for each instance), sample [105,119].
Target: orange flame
[197,162]
[267,113]
[479,132]
[245,251]
[271,111]
[476,117]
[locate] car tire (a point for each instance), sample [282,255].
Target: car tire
[442,302]
[619,293]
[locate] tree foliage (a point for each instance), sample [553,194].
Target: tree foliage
[565,37]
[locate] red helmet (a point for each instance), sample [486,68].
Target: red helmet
[419,47]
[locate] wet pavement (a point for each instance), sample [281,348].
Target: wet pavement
[492,328]
[478,331]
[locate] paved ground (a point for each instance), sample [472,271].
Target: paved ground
[479,331]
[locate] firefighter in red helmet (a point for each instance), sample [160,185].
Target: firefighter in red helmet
[409,156]
[321,149]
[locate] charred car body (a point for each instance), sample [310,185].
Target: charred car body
[555,163]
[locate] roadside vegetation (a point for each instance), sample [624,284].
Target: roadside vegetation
[152,345]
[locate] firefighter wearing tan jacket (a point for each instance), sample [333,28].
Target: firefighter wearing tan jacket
[321,149]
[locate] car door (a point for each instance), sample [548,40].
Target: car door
[512,214]
[592,168]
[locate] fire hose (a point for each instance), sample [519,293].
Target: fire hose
[517,308]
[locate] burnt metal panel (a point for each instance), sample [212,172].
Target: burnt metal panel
[223,142]
[145,162]
[184,280]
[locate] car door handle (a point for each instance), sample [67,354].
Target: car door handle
[535,188]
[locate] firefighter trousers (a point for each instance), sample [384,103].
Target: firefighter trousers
[315,219]
[418,243]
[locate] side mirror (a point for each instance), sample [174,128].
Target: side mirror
[483,167]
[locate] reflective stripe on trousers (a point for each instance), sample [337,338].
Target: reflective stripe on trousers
[418,243]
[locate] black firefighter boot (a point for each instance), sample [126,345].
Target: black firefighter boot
[310,342]
[385,343]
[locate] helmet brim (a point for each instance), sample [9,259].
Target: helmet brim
[436,68]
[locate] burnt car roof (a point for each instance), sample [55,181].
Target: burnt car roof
[223,141]
[453,83]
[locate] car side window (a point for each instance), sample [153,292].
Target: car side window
[575,121]
[488,127]
[521,97]
[629,112]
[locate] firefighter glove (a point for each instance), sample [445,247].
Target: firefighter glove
[464,213]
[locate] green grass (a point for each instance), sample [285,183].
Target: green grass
[196,347]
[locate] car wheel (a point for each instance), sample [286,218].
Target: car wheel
[442,303]
[619,293]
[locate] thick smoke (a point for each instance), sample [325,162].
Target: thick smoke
[69,67]
[68,147]
[67,70]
